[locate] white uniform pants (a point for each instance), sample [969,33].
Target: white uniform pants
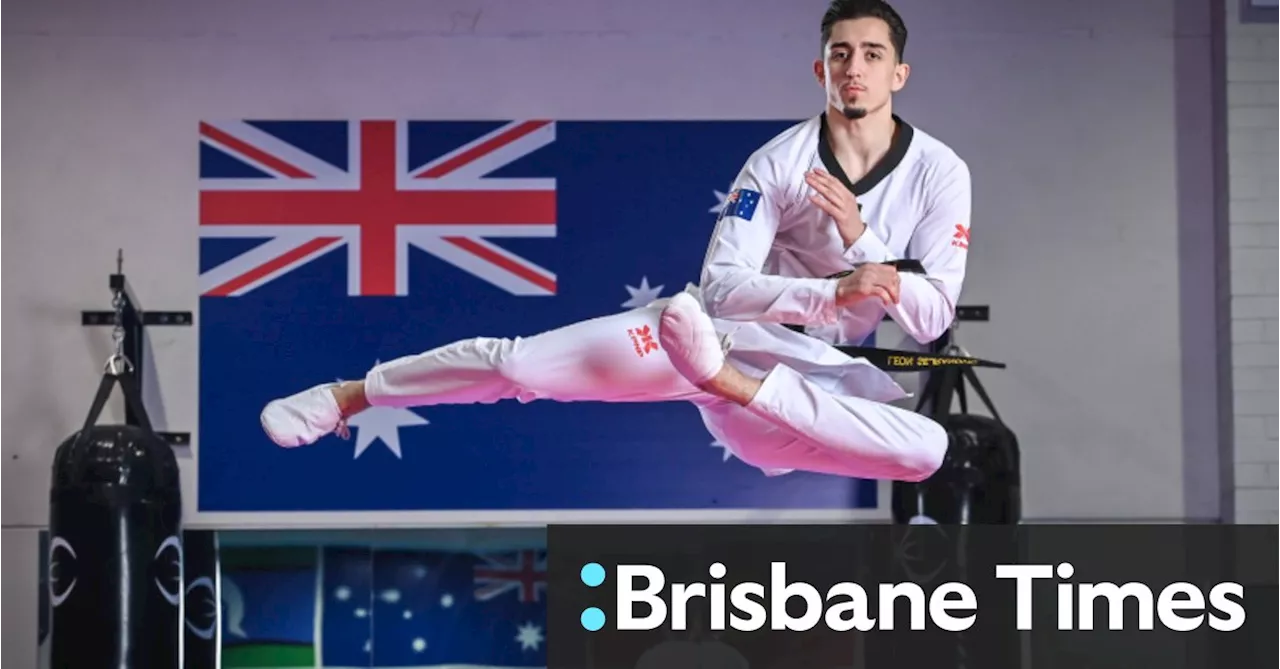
[791,424]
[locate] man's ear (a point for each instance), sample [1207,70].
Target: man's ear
[820,72]
[900,75]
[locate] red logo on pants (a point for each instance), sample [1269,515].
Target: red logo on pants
[642,339]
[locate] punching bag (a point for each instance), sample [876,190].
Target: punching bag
[201,610]
[115,543]
[980,481]
[935,533]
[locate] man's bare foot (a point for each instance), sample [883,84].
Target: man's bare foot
[350,398]
[694,348]
[731,384]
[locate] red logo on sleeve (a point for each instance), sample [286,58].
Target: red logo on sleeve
[960,240]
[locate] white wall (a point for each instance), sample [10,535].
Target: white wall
[1252,128]
[1077,181]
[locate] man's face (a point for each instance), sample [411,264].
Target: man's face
[860,70]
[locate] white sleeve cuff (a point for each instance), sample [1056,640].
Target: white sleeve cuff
[868,248]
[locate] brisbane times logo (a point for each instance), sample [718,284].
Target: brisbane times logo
[644,600]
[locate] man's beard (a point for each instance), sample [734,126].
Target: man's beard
[854,113]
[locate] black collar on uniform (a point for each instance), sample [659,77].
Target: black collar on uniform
[897,151]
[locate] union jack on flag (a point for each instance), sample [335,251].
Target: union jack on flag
[524,570]
[378,190]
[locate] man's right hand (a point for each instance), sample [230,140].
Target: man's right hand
[871,280]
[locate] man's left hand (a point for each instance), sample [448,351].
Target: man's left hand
[833,198]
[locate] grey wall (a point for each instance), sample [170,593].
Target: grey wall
[1250,47]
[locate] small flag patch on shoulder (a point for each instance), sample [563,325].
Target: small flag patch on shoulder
[741,203]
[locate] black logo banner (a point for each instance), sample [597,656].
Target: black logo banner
[895,596]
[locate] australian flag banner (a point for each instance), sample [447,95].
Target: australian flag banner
[329,246]
[365,607]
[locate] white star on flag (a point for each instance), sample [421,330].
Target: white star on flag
[720,197]
[382,423]
[727,453]
[642,295]
[529,637]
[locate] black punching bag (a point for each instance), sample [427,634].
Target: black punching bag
[938,533]
[115,551]
[201,612]
[979,482]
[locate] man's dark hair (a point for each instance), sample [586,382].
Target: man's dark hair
[842,10]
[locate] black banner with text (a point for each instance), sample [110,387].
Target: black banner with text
[893,596]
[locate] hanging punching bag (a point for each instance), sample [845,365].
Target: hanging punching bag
[201,610]
[115,551]
[980,481]
[936,540]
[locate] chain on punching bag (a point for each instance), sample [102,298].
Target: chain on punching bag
[115,553]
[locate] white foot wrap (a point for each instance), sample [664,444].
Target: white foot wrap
[690,339]
[302,418]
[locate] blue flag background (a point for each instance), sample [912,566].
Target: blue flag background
[269,606]
[635,204]
[357,606]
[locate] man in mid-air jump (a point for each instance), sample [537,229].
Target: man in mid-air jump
[845,192]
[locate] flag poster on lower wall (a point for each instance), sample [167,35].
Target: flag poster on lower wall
[359,607]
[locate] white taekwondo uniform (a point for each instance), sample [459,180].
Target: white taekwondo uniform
[770,251]
[818,409]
